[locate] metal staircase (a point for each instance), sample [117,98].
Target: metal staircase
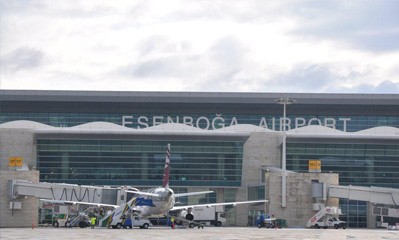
[79,218]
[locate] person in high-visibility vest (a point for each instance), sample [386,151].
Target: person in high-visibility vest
[173,223]
[93,222]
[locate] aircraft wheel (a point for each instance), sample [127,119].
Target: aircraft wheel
[145,226]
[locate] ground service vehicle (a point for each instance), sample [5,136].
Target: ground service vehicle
[61,221]
[65,220]
[213,215]
[326,217]
[141,223]
[261,220]
[268,222]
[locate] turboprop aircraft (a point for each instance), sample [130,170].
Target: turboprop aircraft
[161,200]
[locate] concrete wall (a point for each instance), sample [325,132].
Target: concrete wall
[17,143]
[30,206]
[299,196]
[260,150]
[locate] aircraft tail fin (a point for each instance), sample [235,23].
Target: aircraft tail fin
[165,182]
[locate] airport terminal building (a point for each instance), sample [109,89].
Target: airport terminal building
[224,142]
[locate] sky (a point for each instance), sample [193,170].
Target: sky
[213,46]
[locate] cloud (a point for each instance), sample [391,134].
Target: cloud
[386,87]
[23,58]
[303,77]
[306,46]
[367,25]
[215,68]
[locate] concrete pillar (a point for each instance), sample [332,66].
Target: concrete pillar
[29,211]
[299,201]
[371,219]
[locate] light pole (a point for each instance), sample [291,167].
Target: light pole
[285,102]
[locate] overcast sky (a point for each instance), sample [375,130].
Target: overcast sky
[169,45]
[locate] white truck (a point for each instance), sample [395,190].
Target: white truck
[212,215]
[326,217]
[138,222]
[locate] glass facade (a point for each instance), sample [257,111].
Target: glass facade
[230,196]
[256,193]
[357,164]
[354,213]
[206,121]
[139,162]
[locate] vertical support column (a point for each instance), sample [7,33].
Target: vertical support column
[267,193]
[284,164]
[65,166]
[220,166]
[144,166]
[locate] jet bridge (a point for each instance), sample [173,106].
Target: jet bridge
[376,195]
[65,192]
[379,196]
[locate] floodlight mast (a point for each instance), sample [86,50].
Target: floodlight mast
[285,102]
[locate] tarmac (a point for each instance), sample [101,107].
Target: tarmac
[209,233]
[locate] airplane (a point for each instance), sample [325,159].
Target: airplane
[157,202]
[162,200]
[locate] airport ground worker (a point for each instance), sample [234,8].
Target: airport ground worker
[93,222]
[173,223]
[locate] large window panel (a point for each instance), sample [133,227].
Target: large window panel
[140,163]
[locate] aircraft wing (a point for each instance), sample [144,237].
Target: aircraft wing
[191,193]
[214,204]
[82,203]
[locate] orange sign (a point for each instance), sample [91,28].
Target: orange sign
[12,162]
[18,161]
[15,161]
[314,166]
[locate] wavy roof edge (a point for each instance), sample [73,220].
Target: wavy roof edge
[178,127]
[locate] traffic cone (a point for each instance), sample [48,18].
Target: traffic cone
[32,225]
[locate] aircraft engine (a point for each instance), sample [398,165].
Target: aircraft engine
[190,217]
[186,215]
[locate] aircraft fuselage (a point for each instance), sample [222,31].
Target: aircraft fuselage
[160,205]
